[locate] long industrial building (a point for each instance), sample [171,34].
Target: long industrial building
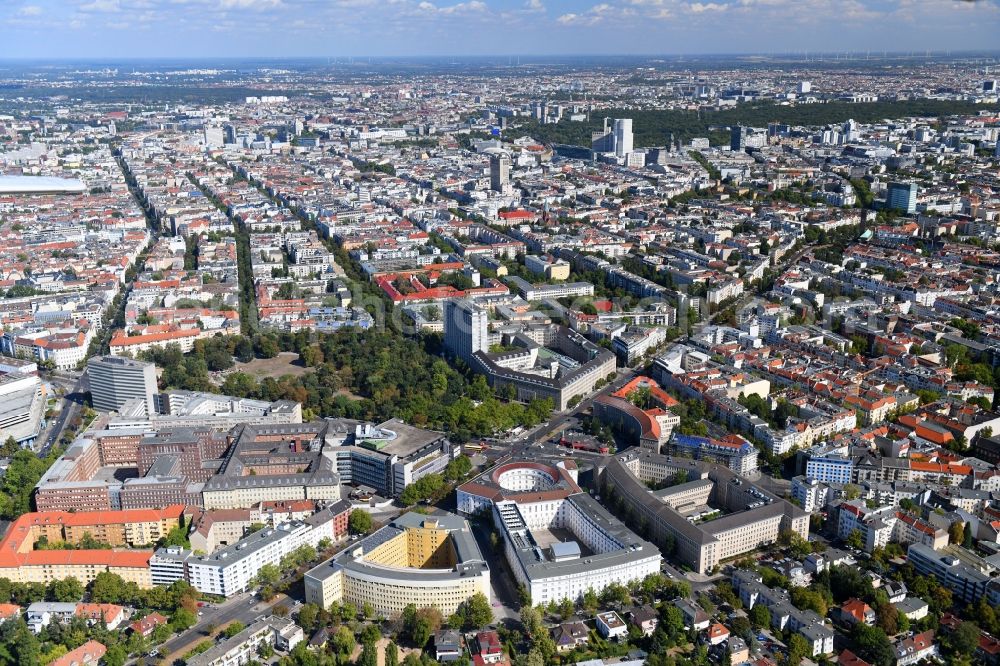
[22,401]
[425,560]
[717,515]
[559,541]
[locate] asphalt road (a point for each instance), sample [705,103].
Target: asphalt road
[243,607]
[503,590]
[561,421]
[72,405]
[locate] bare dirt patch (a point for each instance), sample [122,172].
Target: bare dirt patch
[285,363]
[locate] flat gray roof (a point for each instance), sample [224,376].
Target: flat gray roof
[219,650]
[469,559]
[249,544]
[632,548]
[409,439]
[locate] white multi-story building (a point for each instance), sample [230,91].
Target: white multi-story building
[809,493]
[41,613]
[616,138]
[64,348]
[830,469]
[966,582]
[22,405]
[807,623]
[636,341]
[528,499]
[538,292]
[883,524]
[912,649]
[465,328]
[724,291]
[134,344]
[874,525]
[115,380]
[241,649]
[619,556]
[623,136]
[231,570]
[168,565]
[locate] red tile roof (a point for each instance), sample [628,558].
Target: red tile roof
[848,658]
[88,653]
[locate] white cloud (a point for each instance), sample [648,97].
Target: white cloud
[29,10]
[101,6]
[594,15]
[470,8]
[250,4]
[663,7]
[534,6]
[700,8]
[473,6]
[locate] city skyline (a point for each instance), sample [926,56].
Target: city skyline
[340,28]
[499,332]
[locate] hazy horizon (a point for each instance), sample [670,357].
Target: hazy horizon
[204,29]
[818,57]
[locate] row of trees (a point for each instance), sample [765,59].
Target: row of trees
[24,471]
[270,577]
[433,487]
[19,646]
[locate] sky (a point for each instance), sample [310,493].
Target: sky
[67,29]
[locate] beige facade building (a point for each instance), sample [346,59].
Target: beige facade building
[704,524]
[416,559]
[20,562]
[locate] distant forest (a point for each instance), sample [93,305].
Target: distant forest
[190,94]
[652,128]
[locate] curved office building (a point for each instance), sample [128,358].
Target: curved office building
[417,559]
